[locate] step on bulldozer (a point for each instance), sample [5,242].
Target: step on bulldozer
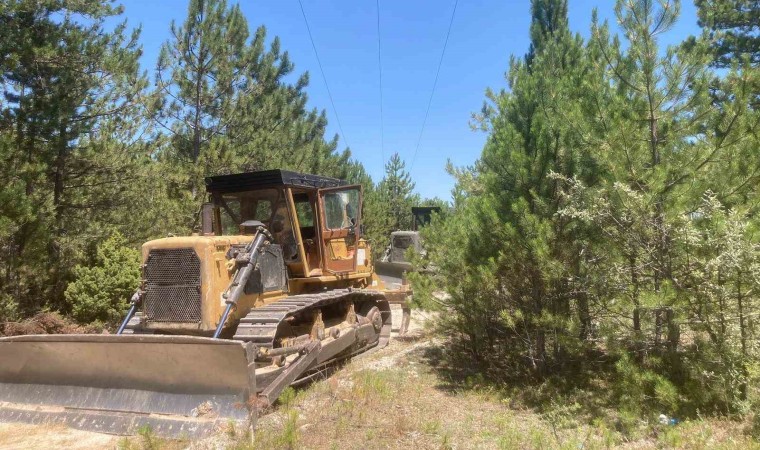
[275,289]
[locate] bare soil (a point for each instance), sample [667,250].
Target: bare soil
[45,323]
[21,436]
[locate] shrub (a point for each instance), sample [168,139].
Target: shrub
[8,308]
[643,391]
[101,292]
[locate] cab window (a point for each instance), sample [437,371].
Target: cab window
[239,207]
[263,210]
[305,213]
[403,242]
[230,216]
[341,209]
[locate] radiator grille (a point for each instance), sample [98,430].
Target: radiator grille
[172,286]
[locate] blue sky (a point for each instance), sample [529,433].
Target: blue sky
[483,36]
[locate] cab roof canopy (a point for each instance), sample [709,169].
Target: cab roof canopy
[249,181]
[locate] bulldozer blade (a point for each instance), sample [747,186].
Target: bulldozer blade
[392,273]
[117,384]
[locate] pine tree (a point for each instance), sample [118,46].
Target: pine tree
[548,21]
[397,190]
[665,147]
[273,127]
[730,32]
[657,102]
[732,26]
[517,258]
[226,105]
[615,201]
[199,75]
[71,86]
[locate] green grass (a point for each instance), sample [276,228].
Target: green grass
[146,439]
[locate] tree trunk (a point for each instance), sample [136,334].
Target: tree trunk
[635,294]
[538,308]
[59,180]
[743,336]
[584,317]
[54,246]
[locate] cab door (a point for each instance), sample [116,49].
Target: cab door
[340,225]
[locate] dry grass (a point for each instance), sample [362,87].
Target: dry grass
[45,323]
[402,407]
[395,399]
[398,399]
[146,440]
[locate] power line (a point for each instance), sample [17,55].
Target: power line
[435,83]
[380,67]
[324,78]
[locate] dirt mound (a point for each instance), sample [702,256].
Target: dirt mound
[45,323]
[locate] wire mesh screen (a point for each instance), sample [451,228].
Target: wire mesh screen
[172,286]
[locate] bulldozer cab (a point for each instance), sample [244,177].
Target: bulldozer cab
[316,220]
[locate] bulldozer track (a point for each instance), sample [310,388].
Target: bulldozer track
[260,325]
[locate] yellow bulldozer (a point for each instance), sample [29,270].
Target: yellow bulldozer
[276,288]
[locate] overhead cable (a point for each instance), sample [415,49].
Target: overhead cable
[324,78]
[380,68]
[435,83]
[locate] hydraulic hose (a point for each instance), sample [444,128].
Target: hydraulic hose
[136,298]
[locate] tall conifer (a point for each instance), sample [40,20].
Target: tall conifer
[397,191]
[732,26]
[71,87]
